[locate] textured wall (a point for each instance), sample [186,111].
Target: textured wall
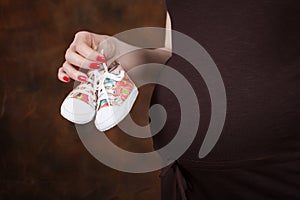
[41,155]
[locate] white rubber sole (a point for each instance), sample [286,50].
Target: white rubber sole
[80,113]
[109,117]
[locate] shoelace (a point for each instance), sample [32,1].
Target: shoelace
[92,84]
[106,86]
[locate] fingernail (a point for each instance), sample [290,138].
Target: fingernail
[94,65]
[66,78]
[82,78]
[101,58]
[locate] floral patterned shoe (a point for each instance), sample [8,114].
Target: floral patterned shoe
[80,105]
[116,96]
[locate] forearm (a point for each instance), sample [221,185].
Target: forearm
[144,56]
[130,56]
[151,46]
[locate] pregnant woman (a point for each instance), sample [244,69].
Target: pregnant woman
[256,46]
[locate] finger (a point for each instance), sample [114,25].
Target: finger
[84,44]
[108,44]
[89,53]
[74,73]
[62,76]
[77,60]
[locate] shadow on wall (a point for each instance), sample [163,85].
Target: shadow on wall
[41,154]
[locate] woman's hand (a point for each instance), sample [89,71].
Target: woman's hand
[82,54]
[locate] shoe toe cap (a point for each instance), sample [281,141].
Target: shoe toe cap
[77,106]
[77,111]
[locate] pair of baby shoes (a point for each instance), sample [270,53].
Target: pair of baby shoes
[108,94]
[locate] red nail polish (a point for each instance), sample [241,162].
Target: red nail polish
[82,78]
[101,59]
[66,78]
[94,66]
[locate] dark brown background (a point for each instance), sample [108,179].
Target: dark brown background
[41,155]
